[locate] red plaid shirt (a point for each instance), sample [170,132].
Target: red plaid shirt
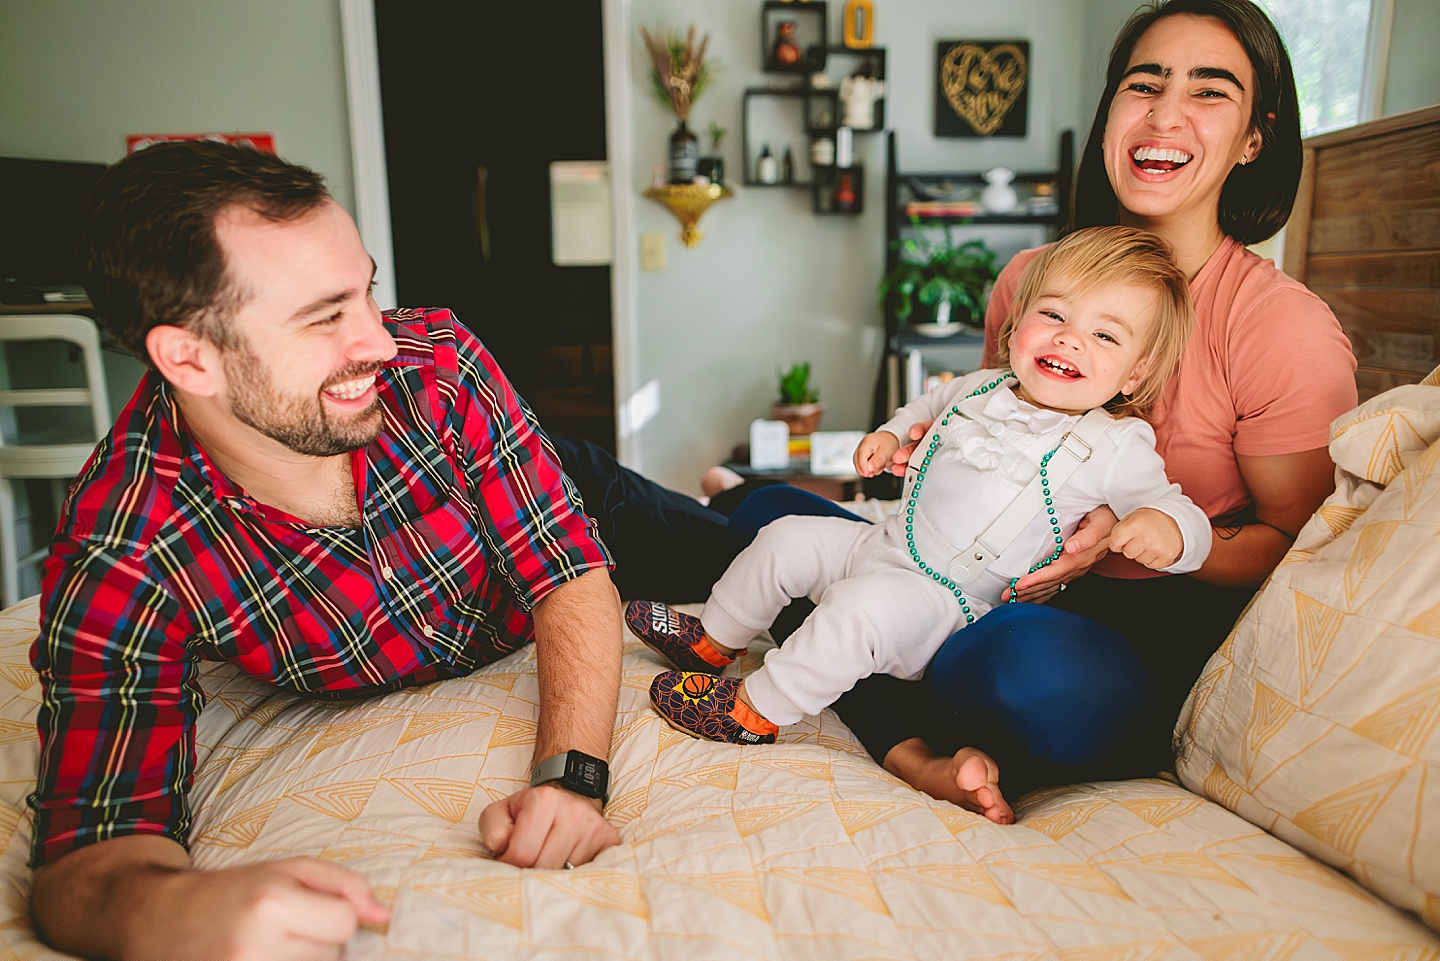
[161,560]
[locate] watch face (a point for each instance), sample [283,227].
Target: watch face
[587,774]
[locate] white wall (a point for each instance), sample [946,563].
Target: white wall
[772,283]
[76,76]
[1412,79]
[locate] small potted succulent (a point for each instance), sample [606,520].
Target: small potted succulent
[799,404]
[951,280]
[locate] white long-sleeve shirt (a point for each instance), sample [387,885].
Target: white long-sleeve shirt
[993,449]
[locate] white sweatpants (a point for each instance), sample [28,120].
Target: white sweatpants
[876,612]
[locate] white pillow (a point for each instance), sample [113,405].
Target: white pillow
[1319,718]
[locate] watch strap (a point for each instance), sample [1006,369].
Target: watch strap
[559,768]
[550,769]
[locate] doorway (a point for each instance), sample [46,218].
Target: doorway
[478,100]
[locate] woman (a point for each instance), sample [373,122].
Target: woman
[1196,138]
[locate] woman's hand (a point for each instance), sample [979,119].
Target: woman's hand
[900,460]
[1089,543]
[873,453]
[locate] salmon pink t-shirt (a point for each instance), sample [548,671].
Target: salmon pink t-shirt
[1265,373]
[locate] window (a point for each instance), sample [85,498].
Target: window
[1338,50]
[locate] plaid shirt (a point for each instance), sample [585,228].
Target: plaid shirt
[161,560]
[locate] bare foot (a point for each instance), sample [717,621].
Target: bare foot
[978,779]
[970,779]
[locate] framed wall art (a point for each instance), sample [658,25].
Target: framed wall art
[981,88]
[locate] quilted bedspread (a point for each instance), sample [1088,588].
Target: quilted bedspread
[801,850]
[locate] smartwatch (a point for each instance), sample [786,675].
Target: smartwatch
[575,771]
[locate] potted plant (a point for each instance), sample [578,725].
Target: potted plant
[678,75]
[712,165]
[950,279]
[799,404]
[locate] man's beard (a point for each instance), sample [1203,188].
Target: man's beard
[300,423]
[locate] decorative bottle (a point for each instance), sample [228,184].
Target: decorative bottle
[845,194]
[787,50]
[684,155]
[787,166]
[844,146]
[767,169]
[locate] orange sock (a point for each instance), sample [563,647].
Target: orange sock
[748,718]
[711,654]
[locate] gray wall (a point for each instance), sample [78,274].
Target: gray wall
[76,76]
[772,283]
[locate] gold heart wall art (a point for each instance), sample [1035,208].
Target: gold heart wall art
[981,88]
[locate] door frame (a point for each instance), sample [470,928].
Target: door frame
[372,193]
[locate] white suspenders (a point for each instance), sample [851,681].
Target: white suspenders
[1074,450]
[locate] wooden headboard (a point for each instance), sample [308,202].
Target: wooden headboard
[1365,236]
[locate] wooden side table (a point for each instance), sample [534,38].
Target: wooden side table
[836,487]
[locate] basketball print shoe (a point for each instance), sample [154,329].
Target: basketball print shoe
[677,637]
[709,707]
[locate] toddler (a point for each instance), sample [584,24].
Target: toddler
[1100,320]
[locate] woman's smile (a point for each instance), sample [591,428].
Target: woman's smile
[1180,122]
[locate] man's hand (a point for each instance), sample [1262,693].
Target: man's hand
[546,827]
[900,460]
[1089,543]
[577,656]
[1149,536]
[873,453]
[297,908]
[138,897]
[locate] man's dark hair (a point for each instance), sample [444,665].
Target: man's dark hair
[151,254]
[1256,199]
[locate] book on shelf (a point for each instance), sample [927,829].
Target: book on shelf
[941,208]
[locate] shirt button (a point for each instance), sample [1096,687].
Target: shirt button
[386,572]
[428,631]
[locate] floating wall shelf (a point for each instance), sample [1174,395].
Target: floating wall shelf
[688,202]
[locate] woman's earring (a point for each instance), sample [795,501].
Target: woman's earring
[1149,115]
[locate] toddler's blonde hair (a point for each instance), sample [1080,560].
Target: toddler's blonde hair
[1104,256]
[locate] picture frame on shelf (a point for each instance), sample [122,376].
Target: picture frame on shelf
[982,88]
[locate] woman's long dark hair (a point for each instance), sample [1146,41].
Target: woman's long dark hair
[1256,199]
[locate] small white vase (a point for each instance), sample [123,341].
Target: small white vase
[998,196]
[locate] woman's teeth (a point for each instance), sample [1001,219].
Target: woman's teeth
[1159,159]
[351,389]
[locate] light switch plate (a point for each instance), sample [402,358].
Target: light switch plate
[652,251]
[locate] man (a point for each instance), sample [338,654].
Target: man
[341,502]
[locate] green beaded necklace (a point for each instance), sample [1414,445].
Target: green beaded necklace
[915,497]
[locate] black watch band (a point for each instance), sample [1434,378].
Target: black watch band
[575,771]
